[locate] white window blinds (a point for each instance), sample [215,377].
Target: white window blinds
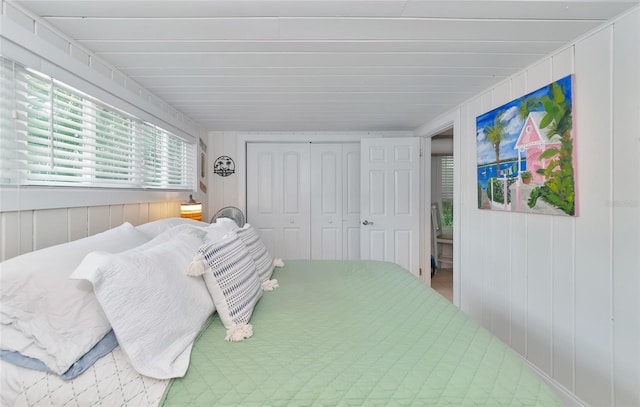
[59,136]
[446,178]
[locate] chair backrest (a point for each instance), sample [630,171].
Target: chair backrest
[436,220]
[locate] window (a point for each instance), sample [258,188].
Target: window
[446,189]
[55,135]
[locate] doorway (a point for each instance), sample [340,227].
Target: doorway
[442,210]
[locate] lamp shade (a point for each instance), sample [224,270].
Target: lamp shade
[191,209]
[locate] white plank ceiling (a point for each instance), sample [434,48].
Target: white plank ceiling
[309,65]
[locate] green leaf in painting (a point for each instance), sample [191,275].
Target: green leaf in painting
[546,120]
[548,153]
[557,92]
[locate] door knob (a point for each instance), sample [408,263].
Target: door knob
[366,222]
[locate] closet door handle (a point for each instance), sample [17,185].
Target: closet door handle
[366,222]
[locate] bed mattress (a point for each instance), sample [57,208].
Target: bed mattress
[355,333]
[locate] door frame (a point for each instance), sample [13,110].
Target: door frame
[447,120]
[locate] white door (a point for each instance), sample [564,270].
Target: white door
[390,201]
[278,194]
[326,201]
[335,201]
[351,201]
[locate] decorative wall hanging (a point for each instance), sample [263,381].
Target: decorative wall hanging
[526,153]
[203,166]
[224,166]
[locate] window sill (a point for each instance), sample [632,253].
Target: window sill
[33,198]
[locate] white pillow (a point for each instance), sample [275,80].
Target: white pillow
[48,317]
[259,253]
[228,224]
[218,230]
[216,233]
[155,310]
[156,227]
[230,275]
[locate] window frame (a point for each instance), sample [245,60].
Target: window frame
[126,159]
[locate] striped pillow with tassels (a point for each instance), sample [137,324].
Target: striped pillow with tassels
[230,275]
[260,255]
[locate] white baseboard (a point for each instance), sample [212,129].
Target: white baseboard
[568,398]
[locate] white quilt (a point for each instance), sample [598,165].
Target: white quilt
[111,381]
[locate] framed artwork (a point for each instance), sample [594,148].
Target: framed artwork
[525,153]
[203,166]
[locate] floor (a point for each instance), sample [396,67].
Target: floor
[442,282]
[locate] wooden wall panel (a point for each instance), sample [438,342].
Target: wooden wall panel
[471,266]
[573,282]
[78,223]
[132,214]
[116,215]
[538,260]
[467,193]
[25,231]
[2,238]
[11,227]
[500,270]
[157,210]
[519,315]
[173,210]
[98,219]
[501,275]
[143,213]
[537,268]
[538,75]
[625,206]
[562,301]
[518,250]
[50,227]
[486,258]
[563,267]
[470,271]
[593,228]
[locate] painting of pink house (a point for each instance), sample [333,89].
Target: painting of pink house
[533,141]
[525,153]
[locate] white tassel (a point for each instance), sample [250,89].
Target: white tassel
[197,267]
[278,263]
[270,285]
[239,333]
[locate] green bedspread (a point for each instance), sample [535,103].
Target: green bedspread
[357,333]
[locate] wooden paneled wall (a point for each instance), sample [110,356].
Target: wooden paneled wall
[25,231]
[562,291]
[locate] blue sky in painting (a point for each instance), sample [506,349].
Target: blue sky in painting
[509,112]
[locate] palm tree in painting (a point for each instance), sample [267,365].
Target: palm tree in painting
[526,106]
[495,134]
[558,112]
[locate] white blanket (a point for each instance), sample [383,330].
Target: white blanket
[111,381]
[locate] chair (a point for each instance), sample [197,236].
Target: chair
[438,239]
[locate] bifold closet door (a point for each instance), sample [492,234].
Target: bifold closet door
[278,197]
[351,201]
[335,201]
[326,201]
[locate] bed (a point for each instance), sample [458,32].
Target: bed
[327,333]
